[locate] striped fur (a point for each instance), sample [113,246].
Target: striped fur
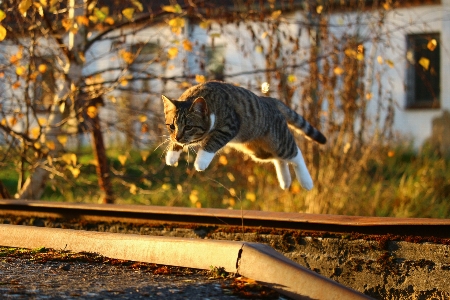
[214,114]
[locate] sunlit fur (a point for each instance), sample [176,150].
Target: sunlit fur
[214,114]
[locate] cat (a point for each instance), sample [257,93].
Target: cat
[214,114]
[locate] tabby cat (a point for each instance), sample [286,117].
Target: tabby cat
[214,114]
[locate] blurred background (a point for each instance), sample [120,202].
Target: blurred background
[81,116]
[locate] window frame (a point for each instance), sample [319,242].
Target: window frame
[414,70]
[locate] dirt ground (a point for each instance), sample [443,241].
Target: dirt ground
[382,266]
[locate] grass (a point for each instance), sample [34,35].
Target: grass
[398,182]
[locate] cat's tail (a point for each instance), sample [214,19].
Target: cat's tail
[297,121]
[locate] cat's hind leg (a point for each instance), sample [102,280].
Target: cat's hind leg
[301,171]
[283,174]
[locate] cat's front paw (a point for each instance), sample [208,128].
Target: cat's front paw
[203,160]
[172,157]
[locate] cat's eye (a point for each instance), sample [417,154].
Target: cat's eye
[171,126]
[187,127]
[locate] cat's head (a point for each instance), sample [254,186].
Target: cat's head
[188,122]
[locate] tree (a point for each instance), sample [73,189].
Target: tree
[58,37]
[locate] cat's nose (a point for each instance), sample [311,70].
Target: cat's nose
[179,137]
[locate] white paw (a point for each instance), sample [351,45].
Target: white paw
[306,182]
[203,160]
[172,157]
[283,175]
[301,171]
[285,184]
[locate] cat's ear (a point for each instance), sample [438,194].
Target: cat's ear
[168,104]
[199,105]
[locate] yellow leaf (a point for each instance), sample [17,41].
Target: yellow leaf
[232,192]
[172,52]
[172,8]
[200,78]
[223,160]
[133,189]
[67,24]
[75,172]
[24,5]
[187,45]
[92,111]
[127,57]
[42,121]
[165,186]
[93,19]
[128,13]
[185,85]
[250,196]
[50,145]
[70,158]
[2,15]
[122,159]
[101,14]
[275,15]
[123,82]
[424,62]
[83,20]
[176,24]
[231,178]
[292,78]
[2,33]
[145,154]
[62,139]
[16,85]
[138,5]
[390,63]
[369,96]
[205,24]
[259,49]
[142,118]
[42,68]
[81,56]
[109,21]
[338,71]
[34,132]
[319,9]
[12,121]
[193,196]
[105,10]
[37,145]
[62,107]
[432,45]
[350,52]
[380,60]
[20,70]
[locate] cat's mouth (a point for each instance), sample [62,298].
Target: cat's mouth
[188,143]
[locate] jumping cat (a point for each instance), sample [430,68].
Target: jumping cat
[214,114]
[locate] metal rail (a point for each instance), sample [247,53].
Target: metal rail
[424,227]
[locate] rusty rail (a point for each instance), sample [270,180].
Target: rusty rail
[209,216]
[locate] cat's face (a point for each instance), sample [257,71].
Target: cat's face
[187,122]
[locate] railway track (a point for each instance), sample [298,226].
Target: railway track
[138,214]
[384,258]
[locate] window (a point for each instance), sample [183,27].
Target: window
[423,71]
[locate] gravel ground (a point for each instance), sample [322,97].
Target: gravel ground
[47,274]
